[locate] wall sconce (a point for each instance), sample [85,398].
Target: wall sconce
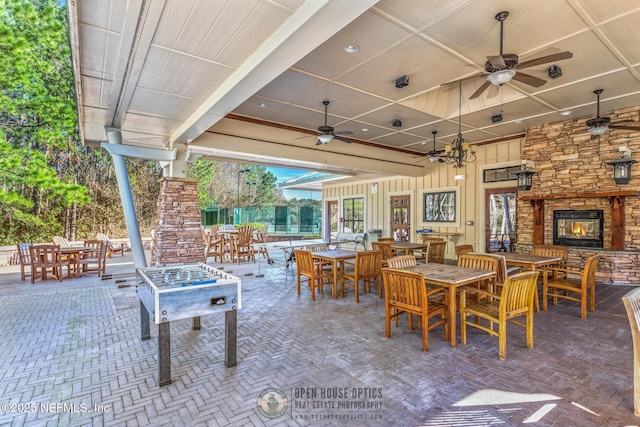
[525,176]
[622,166]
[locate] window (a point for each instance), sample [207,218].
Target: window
[353,215]
[440,207]
[501,174]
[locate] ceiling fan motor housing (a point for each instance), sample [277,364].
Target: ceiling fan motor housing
[510,61]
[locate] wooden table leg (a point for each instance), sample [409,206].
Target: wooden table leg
[537,300]
[334,287]
[452,316]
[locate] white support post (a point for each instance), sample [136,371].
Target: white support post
[124,187]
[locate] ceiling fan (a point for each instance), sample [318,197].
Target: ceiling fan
[505,66]
[327,132]
[599,125]
[433,155]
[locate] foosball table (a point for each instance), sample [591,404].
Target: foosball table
[186,291]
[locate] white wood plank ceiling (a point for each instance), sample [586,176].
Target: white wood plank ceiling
[245,79]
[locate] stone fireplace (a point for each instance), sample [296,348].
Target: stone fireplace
[573,175]
[582,228]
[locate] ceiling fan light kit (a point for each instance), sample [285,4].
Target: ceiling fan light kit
[325,139]
[598,130]
[498,78]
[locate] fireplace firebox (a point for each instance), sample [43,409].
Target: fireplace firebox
[578,228]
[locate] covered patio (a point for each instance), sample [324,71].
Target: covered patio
[76,354]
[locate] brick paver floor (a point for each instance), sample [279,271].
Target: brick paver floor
[71,354]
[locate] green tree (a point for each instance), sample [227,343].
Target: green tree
[218,184]
[37,120]
[49,183]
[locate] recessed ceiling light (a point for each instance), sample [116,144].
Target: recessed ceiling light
[565,113]
[351,48]
[423,143]
[262,105]
[518,121]
[365,129]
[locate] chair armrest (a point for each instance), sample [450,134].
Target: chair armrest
[556,270]
[436,290]
[480,292]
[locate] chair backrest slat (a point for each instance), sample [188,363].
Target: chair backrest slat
[385,247]
[402,261]
[435,252]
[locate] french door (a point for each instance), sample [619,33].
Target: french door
[500,219]
[400,218]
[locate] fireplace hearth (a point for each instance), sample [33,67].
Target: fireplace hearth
[578,228]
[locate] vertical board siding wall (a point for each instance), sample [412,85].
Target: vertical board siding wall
[377,208]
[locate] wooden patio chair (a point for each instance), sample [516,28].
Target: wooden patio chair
[631,301]
[402,261]
[435,252]
[463,250]
[385,247]
[93,260]
[405,292]
[45,259]
[213,247]
[243,245]
[24,253]
[312,270]
[424,253]
[552,251]
[481,262]
[515,300]
[61,241]
[259,240]
[111,248]
[566,283]
[367,267]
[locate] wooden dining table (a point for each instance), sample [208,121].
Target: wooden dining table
[407,248]
[530,262]
[73,254]
[335,256]
[451,277]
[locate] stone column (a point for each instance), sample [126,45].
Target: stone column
[178,236]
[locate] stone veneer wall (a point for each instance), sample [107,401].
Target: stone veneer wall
[569,161]
[178,235]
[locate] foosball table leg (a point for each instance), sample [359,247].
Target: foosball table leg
[230,337]
[164,354]
[145,327]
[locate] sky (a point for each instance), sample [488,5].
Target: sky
[284,174]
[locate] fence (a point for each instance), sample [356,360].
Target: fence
[306,220]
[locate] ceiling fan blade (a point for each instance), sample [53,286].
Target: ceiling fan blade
[343,132]
[546,59]
[481,89]
[303,137]
[529,80]
[497,62]
[339,138]
[319,142]
[625,127]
